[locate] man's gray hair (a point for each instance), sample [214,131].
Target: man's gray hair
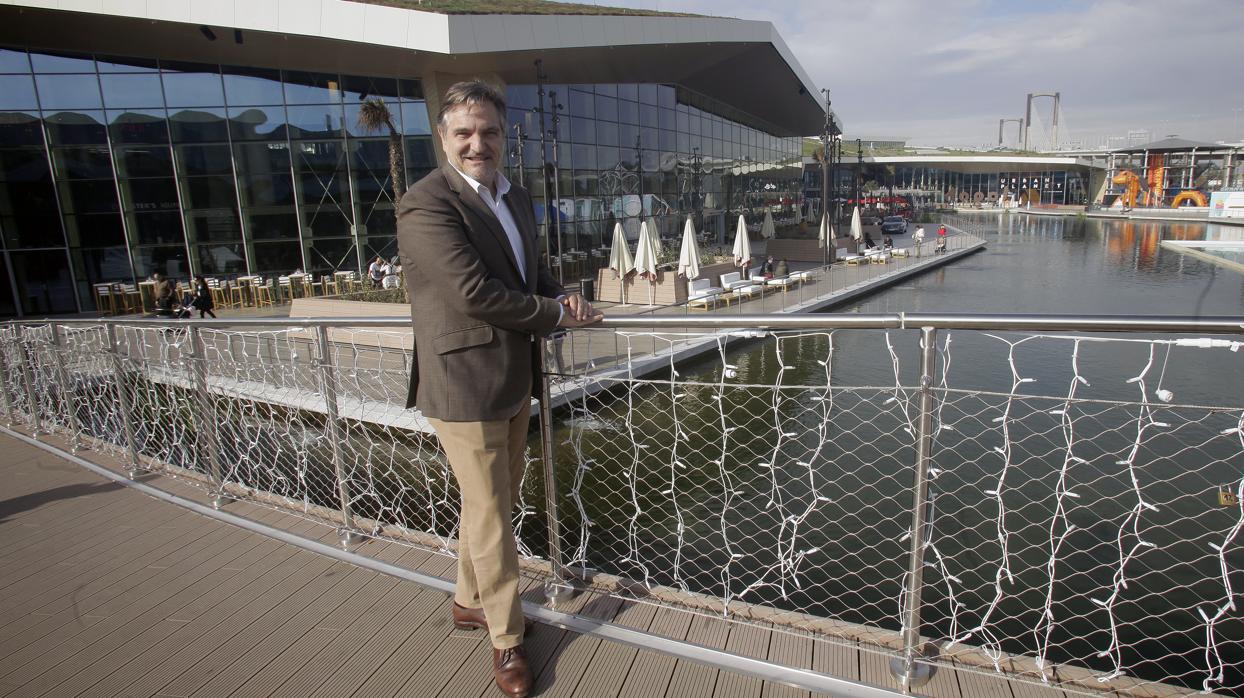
[471,92]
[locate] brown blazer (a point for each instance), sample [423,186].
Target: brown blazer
[475,321]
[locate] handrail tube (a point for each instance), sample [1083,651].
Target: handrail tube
[204,416]
[66,389]
[36,422]
[1224,324]
[911,674]
[123,398]
[328,385]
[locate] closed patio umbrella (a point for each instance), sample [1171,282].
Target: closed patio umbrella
[689,256]
[857,228]
[742,245]
[767,229]
[620,260]
[646,257]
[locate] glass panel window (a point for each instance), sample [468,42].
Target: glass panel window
[213,224]
[628,112]
[155,228]
[23,165]
[82,163]
[95,230]
[88,196]
[209,192]
[13,61]
[144,161]
[582,104]
[354,128]
[17,92]
[20,128]
[252,86]
[415,120]
[325,221]
[257,123]
[135,126]
[132,91]
[272,226]
[331,255]
[410,89]
[220,259]
[68,91]
[169,261]
[61,63]
[316,122]
[262,158]
[630,92]
[421,155]
[198,125]
[156,194]
[193,89]
[312,88]
[606,108]
[44,285]
[266,190]
[276,257]
[203,160]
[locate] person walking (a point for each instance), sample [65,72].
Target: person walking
[481,296]
[375,272]
[202,301]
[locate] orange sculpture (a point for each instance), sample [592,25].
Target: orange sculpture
[1191,195]
[1131,187]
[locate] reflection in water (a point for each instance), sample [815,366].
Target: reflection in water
[722,498]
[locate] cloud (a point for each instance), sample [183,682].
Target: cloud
[946,72]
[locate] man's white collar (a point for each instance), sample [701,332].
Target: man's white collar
[503,184]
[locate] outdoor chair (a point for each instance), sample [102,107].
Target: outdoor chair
[263,292]
[734,280]
[105,301]
[782,282]
[700,294]
[749,290]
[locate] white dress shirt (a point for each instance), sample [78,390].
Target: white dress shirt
[501,210]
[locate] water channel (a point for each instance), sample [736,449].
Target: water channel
[799,496]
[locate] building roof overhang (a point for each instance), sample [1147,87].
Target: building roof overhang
[744,64]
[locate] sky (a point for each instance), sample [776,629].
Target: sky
[943,72]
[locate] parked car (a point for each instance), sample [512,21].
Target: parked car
[893,225]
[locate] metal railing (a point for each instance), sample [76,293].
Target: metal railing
[1054,498]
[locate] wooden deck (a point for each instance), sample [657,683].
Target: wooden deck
[105,591]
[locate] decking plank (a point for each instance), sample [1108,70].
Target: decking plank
[791,650]
[612,662]
[749,641]
[651,671]
[691,679]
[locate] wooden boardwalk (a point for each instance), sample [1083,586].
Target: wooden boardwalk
[105,591]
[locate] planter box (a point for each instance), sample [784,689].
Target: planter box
[669,289]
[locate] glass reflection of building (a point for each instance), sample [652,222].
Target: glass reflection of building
[112,169]
[942,185]
[663,152]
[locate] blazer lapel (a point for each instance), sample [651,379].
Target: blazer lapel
[476,205]
[525,217]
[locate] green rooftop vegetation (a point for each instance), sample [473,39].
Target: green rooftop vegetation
[516,7]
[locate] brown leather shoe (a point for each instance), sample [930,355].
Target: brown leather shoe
[473,618]
[469,618]
[511,672]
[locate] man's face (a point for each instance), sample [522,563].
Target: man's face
[473,139]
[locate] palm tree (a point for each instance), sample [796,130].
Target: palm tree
[374,115]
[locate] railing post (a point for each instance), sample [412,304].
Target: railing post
[123,401]
[28,380]
[910,669]
[65,389]
[346,535]
[205,415]
[9,411]
[560,586]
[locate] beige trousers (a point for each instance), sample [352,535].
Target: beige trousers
[488,460]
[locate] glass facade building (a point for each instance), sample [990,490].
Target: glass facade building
[657,151]
[112,169]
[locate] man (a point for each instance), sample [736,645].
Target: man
[480,298]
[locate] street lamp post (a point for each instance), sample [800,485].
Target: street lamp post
[827,144]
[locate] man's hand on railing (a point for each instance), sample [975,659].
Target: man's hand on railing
[578,311]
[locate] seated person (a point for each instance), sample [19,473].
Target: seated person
[888,242]
[781,268]
[769,268]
